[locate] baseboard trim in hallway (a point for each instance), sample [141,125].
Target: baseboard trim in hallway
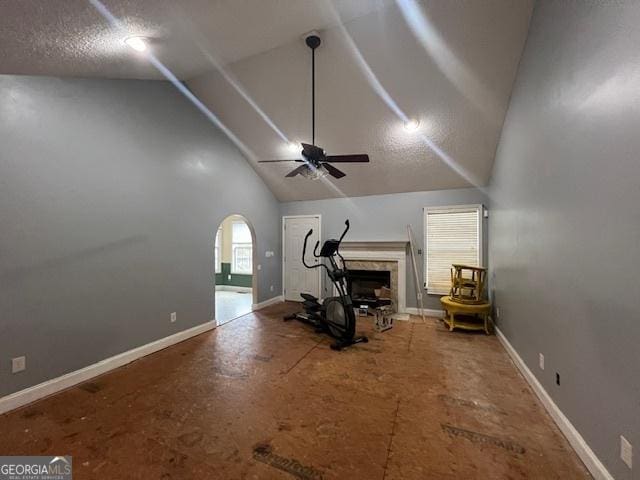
[588,457]
[55,385]
[266,303]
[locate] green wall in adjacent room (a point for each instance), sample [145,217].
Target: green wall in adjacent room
[237,279]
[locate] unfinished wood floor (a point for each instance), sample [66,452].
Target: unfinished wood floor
[262,399]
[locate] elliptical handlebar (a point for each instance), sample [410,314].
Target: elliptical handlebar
[304,252]
[346,229]
[304,248]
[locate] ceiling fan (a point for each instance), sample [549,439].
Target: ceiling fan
[316,163]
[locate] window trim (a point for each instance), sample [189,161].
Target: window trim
[218,258]
[240,244]
[479,208]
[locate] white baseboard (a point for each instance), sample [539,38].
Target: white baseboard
[591,461]
[266,303]
[233,288]
[55,385]
[427,311]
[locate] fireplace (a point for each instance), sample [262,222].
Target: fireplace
[377,256]
[361,285]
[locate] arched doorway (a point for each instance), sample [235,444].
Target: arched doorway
[235,267]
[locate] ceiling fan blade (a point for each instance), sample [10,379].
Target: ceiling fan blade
[333,171]
[312,152]
[361,158]
[276,161]
[297,171]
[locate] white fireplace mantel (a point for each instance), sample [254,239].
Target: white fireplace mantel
[382,251]
[376,245]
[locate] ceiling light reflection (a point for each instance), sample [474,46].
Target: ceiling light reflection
[137,43]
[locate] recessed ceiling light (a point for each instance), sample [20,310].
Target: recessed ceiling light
[137,43]
[411,125]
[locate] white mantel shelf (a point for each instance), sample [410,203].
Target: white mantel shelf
[386,245]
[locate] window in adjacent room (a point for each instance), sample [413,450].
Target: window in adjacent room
[242,261]
[218,251]
[452,235]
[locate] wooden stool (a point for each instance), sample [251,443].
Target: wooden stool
[452,308]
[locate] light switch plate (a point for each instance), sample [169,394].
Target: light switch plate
[174,317]
[18,364]
[541,361]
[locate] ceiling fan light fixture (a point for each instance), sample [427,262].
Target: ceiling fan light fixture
[312,173]
[315,162]
[138,43]
[412,124]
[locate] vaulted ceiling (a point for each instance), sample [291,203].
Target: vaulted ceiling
[450,64]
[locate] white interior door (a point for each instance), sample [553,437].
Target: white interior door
[297,278]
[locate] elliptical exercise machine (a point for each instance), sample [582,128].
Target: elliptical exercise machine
[335,315]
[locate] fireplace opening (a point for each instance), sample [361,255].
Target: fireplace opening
[361,285]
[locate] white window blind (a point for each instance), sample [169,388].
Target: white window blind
[452,235]
[242,250]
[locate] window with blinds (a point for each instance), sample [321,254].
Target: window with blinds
[452,235]
[242,251]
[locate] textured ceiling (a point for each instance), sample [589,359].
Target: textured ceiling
[449,63]
[454,71]
[70,37]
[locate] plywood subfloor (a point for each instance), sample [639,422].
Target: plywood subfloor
[262,399]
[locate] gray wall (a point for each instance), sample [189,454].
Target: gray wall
[110,196]
[385,217]
[565,223]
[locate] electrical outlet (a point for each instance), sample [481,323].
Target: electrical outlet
[229,277]
[271,288]
[18,364]
[174,317]
[497,313]
[541,361]
[626,451]
[259,267]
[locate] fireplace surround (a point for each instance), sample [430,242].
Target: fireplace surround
[388,256]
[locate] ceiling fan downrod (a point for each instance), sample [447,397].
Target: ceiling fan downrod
[313,41]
